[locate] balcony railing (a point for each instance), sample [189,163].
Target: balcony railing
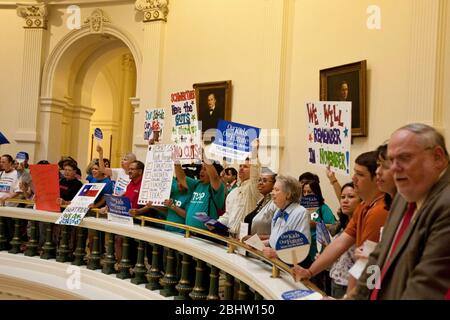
[169,264]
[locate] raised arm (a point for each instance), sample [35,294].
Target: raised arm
[181,175]
[101,164]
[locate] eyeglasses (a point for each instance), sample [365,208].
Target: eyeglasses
[263,180]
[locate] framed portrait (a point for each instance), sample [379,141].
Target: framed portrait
[347,83]
[213,100]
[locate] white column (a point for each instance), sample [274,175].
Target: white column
[35,24]
[50,118]
[155,15]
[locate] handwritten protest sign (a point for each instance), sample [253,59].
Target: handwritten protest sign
[329,134]
[154,124]
[185,131]
[118,208]
[46,186]
[157,179]
[292,247]
[233,140]
[78,207]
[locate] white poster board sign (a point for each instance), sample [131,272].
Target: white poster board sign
[186,135]
[158,173]
[154,124]
[329,134]
[78,207]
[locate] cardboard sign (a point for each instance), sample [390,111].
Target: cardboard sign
[329,134]
[157,178]
[292,247]
[233,140]
[186,134]
[78,207]
[154,124]
[309,201]
[300,294]
[118,208]
[21,157]
[3,139]
[45,179]
[98,134]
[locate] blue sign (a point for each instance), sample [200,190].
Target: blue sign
[291,239]
[118,205]
[296,294]
[98,134]
[309,201]
[235,136]
[3,139]
[21,156]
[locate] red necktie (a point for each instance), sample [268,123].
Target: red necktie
[403,225]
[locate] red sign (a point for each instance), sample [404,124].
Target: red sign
[46,186]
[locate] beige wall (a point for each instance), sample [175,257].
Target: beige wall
[272,50]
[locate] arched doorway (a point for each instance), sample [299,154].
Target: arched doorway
[88,81]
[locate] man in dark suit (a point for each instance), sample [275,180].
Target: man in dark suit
[412,261]
[210,115]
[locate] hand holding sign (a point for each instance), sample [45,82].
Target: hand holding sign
[98,135]
[292,247]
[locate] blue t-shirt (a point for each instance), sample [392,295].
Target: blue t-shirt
[107,189]
[181,200]
[200,201]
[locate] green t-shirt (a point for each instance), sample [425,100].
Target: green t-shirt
[181,200]
[200,201]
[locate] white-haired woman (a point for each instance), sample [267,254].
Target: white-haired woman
[291,216]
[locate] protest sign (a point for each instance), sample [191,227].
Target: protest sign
[185,131]
[301,294]
[78,207]
[46,186]
[98,134]
[292,247]
[3,139]
[157,178]
[329,134]
[118,208]
[154,124]
[233,140]
[219,227]
[21,157]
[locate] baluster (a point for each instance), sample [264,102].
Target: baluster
[94,257]
[48,248]
[3,240]
[64,250]
[32,244]
[244,292]
[169,281]
[110,259]
[184,286]
[125,263]
[139,268]
[229,287]
[15,242]
[258,296]
[80,251]
[213,284]
[154,274]
[199,291]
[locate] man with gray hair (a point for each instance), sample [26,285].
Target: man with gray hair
[412,261]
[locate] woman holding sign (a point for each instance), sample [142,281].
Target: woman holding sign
[291,216]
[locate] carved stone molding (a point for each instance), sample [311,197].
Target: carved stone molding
[34,15]
[97,20]
[128,61]
[154,10]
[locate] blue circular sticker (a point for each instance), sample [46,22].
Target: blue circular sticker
[98,134]
[291,239]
